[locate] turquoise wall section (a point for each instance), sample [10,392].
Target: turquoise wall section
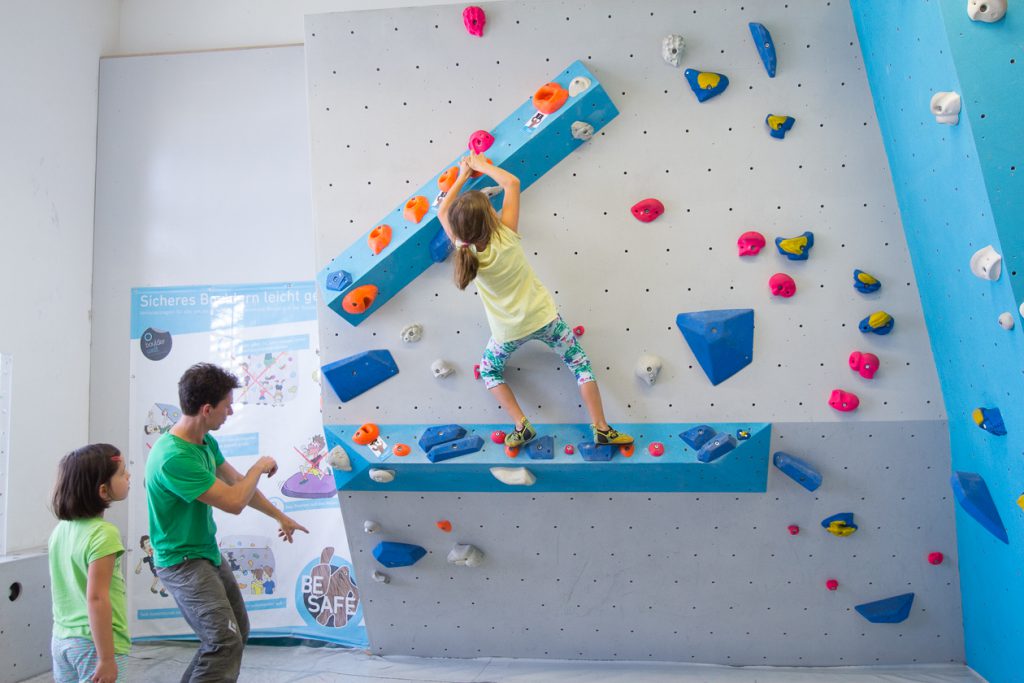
[959,189]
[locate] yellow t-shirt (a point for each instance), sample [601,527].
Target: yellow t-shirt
[516,301]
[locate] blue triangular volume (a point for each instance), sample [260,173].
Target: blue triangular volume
[722,341]
[351,376]
[971,492]
[889,611]
[453,449]
[706,84]
[438,434]
[696,437]
[592,452]
[542,448]
[716,447]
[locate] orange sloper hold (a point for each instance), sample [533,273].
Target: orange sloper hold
[401,449]
[445,526]
[416,208]
[366,434]
[359,299]
[549,98]
[380,237]
[627,449]
[448,178]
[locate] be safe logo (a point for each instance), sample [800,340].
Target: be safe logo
[326,594]
[155,344]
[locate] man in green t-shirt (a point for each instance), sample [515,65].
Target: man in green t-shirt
[186,477]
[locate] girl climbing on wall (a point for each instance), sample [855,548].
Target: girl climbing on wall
[518,306]
[90,628]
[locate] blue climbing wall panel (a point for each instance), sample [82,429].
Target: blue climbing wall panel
[959,189]
[527,151]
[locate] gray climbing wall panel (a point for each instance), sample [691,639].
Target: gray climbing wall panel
[394,95]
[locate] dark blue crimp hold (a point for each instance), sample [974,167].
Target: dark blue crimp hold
[592,452]
[339,280]
[889,611]
[696,437]
[715,448]
[432,436]
[798,470]
[391,554]
[453,449]
[440,246]
[350,377]
[765,46]
[542,448]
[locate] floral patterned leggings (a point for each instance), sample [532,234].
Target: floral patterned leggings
[556,334]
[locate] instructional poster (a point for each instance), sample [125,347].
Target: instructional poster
[266,335]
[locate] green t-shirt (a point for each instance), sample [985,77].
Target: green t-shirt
[73,547]
[177,473]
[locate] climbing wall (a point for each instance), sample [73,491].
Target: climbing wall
[712,577]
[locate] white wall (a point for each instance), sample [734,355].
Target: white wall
[50,51]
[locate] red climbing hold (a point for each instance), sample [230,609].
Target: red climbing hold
[480,141]
[569,449]
[657,449]
[793,529]
[474,19]
[498,436]
[578,330]
[843,401]
[646,210]
[832,584]
[935,558]
[445,526]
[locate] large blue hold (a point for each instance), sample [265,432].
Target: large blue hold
[453,449]
[592,452]
[541,449]
[722,341]
[440,247]
[889,611]
[391,554]
[718,446]
[696,437]
[765,46]
[798,470]
[351,376]
[432,436]
[706,84]
[971,492]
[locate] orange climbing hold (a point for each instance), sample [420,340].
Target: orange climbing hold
[549,98]
[380,237]
[401,450]
[448,178]
[627,449]
[359,299]
[511,451]
[366,434]
[445,526]
[416,208]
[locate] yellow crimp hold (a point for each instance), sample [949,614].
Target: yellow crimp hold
[977,416]
[866,278]
[879,319]
[775,122]
[794,245]
[839,528]
[1020,501]
[707,80]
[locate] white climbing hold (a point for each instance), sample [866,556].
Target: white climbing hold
[581,130]
[514,476]
[412,333]
[946,107]
[672,47]
[647,368]
[578,85]
[441,369]
[492,190]
[988,11]
[466,555]
[1006,320]
[382,476]
[987,263]
[338,459]
[371,527]
[381,577]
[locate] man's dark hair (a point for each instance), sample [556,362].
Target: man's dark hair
[204,383]
[80,474]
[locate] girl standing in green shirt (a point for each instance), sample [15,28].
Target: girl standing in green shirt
[90,628]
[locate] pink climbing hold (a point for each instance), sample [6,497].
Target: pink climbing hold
[657,449]
[646,210]
[832,584]
[578,330]
[750,243]
[476,371]
[782,285]
[793,529]
[498,436]
[935,558]
[864,363]
[843,401]
[474,18]
[480,141]
[569,450]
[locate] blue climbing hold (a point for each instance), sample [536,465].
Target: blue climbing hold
[798,470]
[765,46]
[971,492]
[779,125]
[351,376]
[878,322]
[865,283]
[542,448]
[796,248]
[706,84]
[440,246]
[742,434]
[889,611]
[718,446]
[696,437]
[592,452]
[722,341]
[391,554]
[991,420]
[438,434]
[339,280]
[453,449]
[840,524]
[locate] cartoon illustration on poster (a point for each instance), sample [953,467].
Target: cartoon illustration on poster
[328,593]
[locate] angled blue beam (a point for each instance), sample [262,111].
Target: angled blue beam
[528,152]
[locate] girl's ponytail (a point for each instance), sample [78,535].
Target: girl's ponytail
[473,223]
[466,266]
